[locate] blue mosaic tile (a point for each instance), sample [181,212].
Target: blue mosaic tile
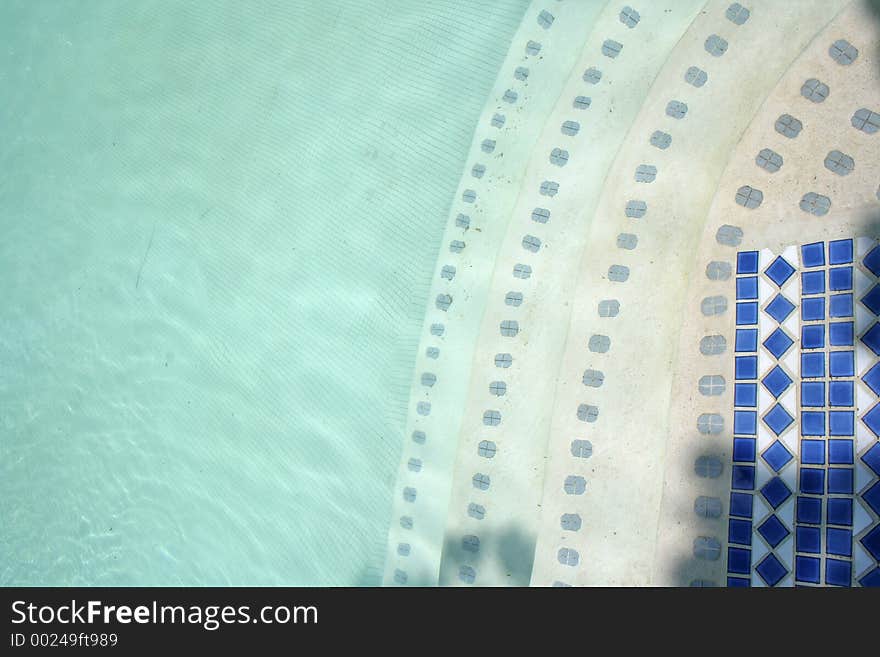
[771,570]
[744,449]
[773,531]
[739,531]
[841,393]
[779,271]
[839,511]
[872,421]
[812,481]
[812,424]
[742,477]
[840,452]
[738,583]
[778,343]
[840,279]
[872,497]
[838,541]
[872,260]
[747,262]
[746,367]
[812,393]
[739,560]
[840,305]
[780,308]
[807,569]
[813,282]
[813,365]
[842,363]
[777,456]
[747,287]
[741,505]
[809,510]
[813,309]
[871,541]
[747,340]
[778,419]
[776,381]
[840,334]
[871,338]
[872,579]
[813,452]
[840,252]
[775,492]
[745,423]
[872,379]
[838,572]
[747,313]
[871,458]
[813,336]
[808,539]
[745,394]
[841,423]
[872,300]
[840,481]
[813,255]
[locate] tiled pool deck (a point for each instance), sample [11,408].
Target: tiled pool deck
[637,369]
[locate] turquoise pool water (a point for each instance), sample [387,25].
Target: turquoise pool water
[220,222]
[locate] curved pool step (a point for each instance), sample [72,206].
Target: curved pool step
[541,55]
[548,233]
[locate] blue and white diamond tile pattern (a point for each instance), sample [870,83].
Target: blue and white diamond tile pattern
[765,419]
[805,486]
[866,469]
